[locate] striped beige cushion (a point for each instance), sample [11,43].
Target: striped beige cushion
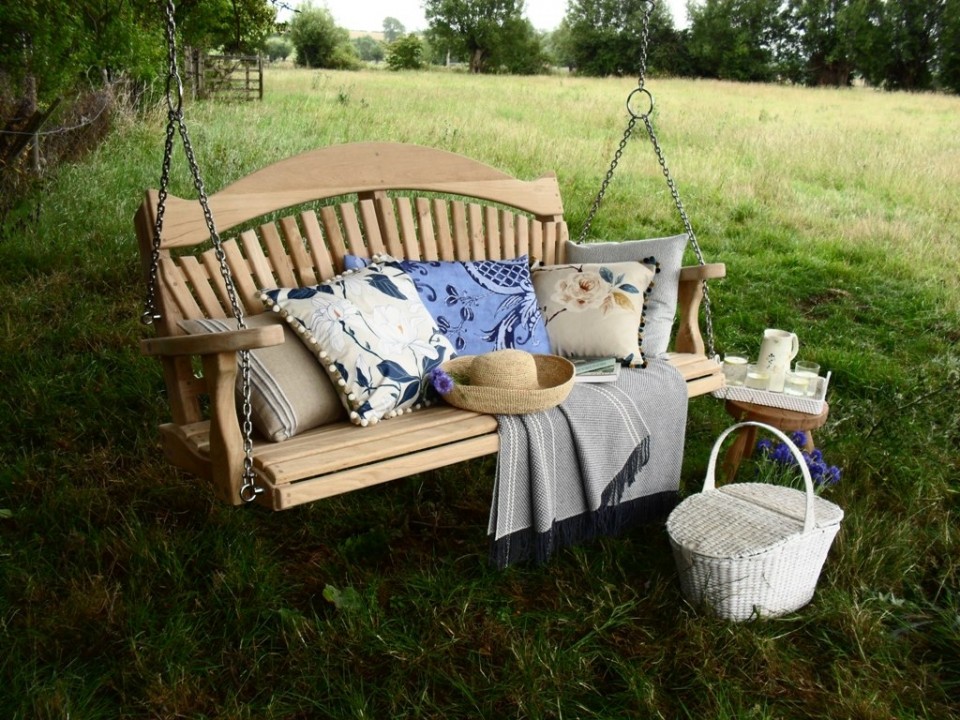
[289,391]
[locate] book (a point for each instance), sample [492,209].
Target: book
[594,364]
[605,374]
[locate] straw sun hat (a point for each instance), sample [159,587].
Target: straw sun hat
[506,382]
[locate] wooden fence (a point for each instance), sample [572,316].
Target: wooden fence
[224,77]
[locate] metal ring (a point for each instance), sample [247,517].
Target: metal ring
[248,493]
[630,97]
[179,106]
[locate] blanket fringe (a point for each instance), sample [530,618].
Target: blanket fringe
[628,473]
[608,520]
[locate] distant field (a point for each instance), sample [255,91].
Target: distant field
[127,592]
[847,165]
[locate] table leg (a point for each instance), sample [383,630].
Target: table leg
[742,447]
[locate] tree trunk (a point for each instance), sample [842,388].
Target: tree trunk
[476,60]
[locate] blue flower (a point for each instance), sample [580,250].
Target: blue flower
[783,455]
[781,458]
[441,381]
[799,438]
[832,475]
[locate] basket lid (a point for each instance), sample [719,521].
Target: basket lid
[745,519]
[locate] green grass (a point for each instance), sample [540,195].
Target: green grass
[126,591]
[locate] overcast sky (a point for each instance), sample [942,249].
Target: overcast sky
[369,14]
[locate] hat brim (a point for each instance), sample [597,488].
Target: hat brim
[555,378]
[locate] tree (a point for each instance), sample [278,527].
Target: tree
[56,45]
[317,39]
[603,37]
[895,43]
[914,25]
[559,45]
[475,29]
[234,26]
[405,53]
[525,54]
[278,48]
[948,47]
[820,46]
[735,39]
[393,29]
[369,49]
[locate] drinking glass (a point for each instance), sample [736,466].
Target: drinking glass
[795,384]
[735,369]
[757,378]
[810,371]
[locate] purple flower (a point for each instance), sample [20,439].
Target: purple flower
[832,475]
[817,472]
[799,438]
[765,446]
[441,381]
[783,455]
[782,458]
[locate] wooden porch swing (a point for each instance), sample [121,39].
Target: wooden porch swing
[408,201]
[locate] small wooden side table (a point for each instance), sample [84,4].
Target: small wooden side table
[786,420]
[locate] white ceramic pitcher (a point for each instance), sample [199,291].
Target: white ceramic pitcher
[777,351]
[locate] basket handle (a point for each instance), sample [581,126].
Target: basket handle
[709,482]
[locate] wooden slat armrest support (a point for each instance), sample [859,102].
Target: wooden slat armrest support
[214,343]
[710,271]
[690,293]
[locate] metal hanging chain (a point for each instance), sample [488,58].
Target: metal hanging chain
[707,309]
[175,122]
[628,132]
[644,44]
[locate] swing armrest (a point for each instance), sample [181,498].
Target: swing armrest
[230,341]
[689,338]
[218,351]
[710,271]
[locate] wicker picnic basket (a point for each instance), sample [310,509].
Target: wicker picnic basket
[752,549]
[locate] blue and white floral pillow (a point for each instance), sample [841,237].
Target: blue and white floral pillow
[481,305]
[373,335]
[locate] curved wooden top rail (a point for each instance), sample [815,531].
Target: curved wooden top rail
[353,168]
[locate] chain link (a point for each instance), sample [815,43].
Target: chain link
[648,123]
[248,487]
[644,45]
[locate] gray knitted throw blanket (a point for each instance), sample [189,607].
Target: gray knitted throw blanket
[607,458]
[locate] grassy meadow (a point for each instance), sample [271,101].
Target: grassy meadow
[126,591]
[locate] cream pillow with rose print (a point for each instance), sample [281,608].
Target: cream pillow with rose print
[595,309]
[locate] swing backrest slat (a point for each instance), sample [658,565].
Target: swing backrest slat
[242,273]
[198,279]
[302,263]
[175,287]
[282,266]
[320,251]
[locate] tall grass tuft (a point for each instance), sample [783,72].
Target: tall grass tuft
[126,591]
